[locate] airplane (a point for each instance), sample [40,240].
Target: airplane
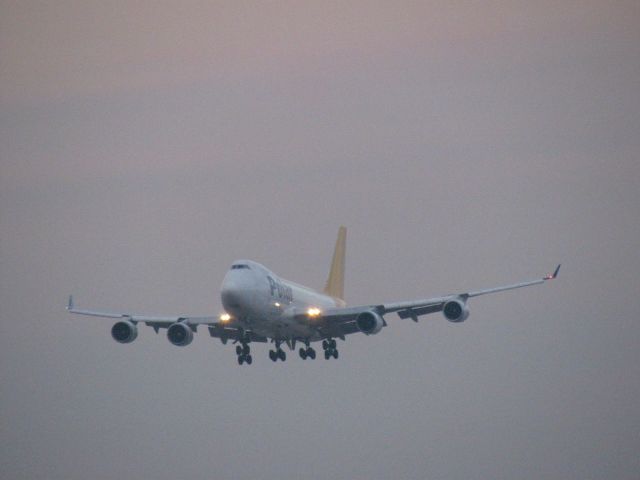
[259,306]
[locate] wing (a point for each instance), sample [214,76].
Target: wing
[151,320]
[217,328]
[339,322]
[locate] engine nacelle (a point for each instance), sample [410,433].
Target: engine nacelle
[180,334]
[455,311]
[124,331]
[369,323]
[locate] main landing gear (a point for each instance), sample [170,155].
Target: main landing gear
[330,349]
[244,351]
[307,352]
[274,355]
[278,353]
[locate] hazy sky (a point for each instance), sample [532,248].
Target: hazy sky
[146,145]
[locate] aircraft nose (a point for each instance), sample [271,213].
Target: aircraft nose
[230,295]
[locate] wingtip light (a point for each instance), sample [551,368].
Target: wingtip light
[554,274]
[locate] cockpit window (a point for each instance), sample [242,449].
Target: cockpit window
[239,266]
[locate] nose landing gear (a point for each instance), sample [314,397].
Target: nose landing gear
[243,351]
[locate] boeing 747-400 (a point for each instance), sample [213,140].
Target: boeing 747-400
[262,307]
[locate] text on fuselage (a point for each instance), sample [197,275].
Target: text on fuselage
[278,290]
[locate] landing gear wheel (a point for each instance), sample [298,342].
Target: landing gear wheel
[240,360]
[303,353]
[311,353]
[332,344]
[325,344]
[249,359]
[335,354]
[245,349]
[239,350]
[281,355]
[327,354]
[273,355]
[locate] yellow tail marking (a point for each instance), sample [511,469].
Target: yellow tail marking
[335,282]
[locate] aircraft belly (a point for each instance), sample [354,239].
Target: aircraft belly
[279,327]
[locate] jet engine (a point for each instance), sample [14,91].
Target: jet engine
[455,311]
[369,323]
[180,334]
[124,331]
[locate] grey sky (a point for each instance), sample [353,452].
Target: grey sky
[145,147]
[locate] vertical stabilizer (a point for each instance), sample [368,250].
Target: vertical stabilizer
[335,282]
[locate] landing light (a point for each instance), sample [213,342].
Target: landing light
[277,304]
[225,317]
[313,312]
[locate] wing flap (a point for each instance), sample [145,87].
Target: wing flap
[414,312]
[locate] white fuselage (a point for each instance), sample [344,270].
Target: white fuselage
[259,300]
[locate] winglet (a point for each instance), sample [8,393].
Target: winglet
[554,274]
[70,304]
